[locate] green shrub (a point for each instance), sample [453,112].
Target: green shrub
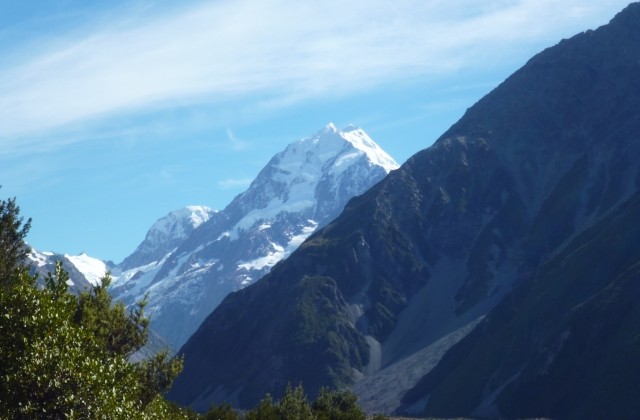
[221,412]
[65,356]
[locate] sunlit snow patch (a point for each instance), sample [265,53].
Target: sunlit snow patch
[92,268]
[279,252]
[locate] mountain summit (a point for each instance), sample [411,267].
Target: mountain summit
[166,234]
[191,259]
[494,274]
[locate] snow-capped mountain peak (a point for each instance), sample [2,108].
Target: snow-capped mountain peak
[179,223]
[93,269]
[300,189]
[166,234]
[84,271]
[314,175]
[361,141]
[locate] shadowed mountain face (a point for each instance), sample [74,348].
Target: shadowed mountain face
[564,345]
[506,217]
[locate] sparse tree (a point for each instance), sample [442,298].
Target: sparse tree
[13,250]
[265,410]
[294,405]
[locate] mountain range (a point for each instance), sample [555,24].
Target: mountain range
[494,274]
[193,257]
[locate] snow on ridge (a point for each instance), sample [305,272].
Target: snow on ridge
[296,203]
[193,215]
[303,164]
[279,252]
[361,141]
[313,151]
[199,214]
[269,260]
[40,258]
[93,269]
[358,139]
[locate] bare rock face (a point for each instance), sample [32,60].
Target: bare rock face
[469,242]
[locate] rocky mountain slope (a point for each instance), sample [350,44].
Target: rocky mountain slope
[501,227]
[191,259]
[534,357]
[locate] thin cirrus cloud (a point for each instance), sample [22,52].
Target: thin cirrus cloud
[236,143]
[285,51]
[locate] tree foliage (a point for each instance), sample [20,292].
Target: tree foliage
[221,412]
[66,356]
[51,367]
[116,330]
[265,410]
[337,405]
[294,405]
[13,250]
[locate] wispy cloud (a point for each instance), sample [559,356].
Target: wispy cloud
[277,50]
[236,143]
[234,183]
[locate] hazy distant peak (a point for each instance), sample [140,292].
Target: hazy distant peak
[166,233]
[329,128]
[194,216]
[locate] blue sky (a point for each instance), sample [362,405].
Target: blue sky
[114,113]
